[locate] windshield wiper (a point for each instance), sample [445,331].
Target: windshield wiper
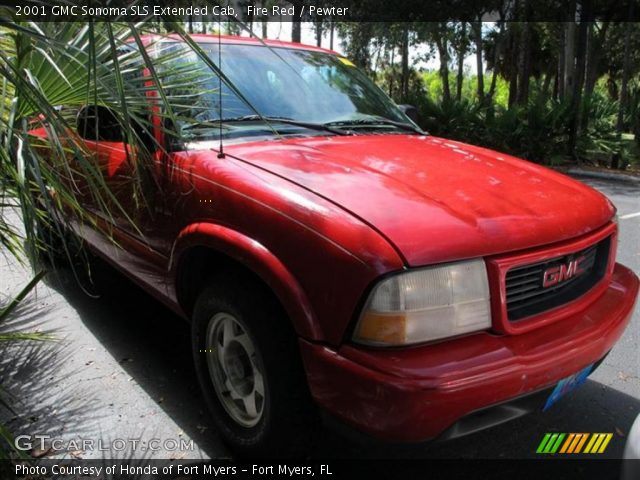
[257,118]
[374,121]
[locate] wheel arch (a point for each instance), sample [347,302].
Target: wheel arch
[204,245]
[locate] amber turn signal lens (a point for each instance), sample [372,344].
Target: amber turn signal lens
[379,328]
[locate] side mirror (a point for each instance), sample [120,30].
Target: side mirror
[410,111]
[96,122]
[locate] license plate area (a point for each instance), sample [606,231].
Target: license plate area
[567,385]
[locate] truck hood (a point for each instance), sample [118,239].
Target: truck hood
[436,200]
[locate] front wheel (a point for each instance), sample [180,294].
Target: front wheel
[235,369]
[250,371]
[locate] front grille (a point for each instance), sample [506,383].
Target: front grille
[527,295]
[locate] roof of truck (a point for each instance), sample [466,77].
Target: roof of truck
[235,39]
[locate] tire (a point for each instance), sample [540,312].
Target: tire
[249,368]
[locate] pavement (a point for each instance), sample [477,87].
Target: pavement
[120,369]
[601,174]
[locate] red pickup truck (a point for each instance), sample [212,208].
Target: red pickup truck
[335,258]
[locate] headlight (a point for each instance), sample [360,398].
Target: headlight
[426,304]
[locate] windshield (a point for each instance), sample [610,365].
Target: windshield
[305,86]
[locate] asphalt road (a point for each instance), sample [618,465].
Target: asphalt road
[121,369]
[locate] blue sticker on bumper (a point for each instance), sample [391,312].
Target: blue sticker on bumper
[566,385]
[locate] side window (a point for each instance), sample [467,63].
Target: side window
[95,122]
[99,122]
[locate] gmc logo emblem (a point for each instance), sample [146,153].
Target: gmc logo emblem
[561,273]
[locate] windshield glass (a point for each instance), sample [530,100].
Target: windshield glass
[306,86]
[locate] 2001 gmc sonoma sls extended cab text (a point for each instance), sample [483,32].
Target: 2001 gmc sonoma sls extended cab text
[336,259]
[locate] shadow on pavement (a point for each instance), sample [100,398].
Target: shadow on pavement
[149,341]
[27,379]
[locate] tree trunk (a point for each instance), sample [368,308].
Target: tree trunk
[441,44]
[265,31]
[331,33]
[569,56]
[295,30]
[190,19]
[391,77]
[591,69]
[249,23]
[376,63]
[513,78]
[203,26]
[296,21]
[594,56]
[636,120]
[404,79]
[624,91]
[462,50]
[496,58]
[477,30]
[513,88]
[591,62]
[492,87]
[576,96]
[547,83]
[561,62]
[524,60]
[319,33]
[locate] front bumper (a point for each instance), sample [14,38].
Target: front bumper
[414,394]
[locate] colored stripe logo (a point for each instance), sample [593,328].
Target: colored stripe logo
[553,443]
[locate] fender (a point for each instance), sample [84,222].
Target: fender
[257,258]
